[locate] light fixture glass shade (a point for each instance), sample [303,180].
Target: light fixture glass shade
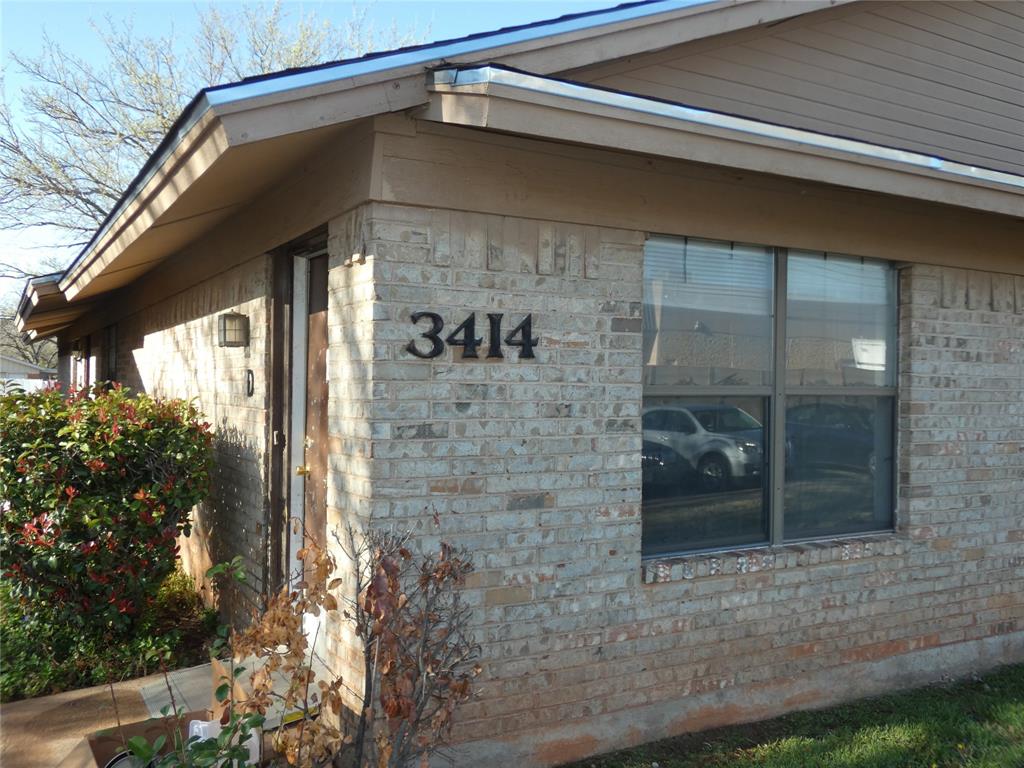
[232,330]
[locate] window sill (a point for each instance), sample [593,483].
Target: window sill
[659,570]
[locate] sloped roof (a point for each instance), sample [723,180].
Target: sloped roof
[247,131]
[268,107]
[10,364]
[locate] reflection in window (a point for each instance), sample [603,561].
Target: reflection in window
[703,473]
[707,309]
[838,465]
[840,321]
[710,310]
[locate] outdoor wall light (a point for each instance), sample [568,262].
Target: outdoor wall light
[232,330]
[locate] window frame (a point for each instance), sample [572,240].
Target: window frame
[776,394]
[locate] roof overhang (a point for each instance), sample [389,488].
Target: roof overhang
[43,310]
[231,140]
[497,98]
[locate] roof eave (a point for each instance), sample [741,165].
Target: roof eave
[316,97]
[43,310]
[31,294]
[497,98]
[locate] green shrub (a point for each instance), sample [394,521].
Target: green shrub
[41,656]
[95,487]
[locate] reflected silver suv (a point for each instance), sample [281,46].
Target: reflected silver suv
[720,443]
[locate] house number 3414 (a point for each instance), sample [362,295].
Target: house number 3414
[431,344]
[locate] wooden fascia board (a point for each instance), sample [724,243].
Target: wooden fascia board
[261,119]
[46,322]
[262,109]
[203,144]
[47,331]
[36,292]
[221,129]
[529,113]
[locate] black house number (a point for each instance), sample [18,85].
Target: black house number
[465,336]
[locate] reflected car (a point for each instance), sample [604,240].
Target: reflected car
[831,435]
[721,443]
[664,470]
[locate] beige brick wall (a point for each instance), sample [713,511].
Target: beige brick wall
[351,392]
[535,466]
[169,350]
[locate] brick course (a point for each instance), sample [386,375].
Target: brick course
[170,350]
[535,466]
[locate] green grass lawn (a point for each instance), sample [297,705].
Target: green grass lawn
[978,724]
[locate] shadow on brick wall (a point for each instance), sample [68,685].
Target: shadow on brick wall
[170,349]
[233,521]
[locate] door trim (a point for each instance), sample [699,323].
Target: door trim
[297,417]
[277,468]
[296,448]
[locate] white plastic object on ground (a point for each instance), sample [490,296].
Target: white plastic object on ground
[210,729]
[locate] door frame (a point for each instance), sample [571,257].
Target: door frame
[297,411]
[288,350]
[280,398]
[297,444]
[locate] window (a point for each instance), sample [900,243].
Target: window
[740,338]
[81,362]
[110,353]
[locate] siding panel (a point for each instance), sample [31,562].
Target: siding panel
[941,78]
[868,70]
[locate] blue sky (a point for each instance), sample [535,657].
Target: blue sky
[23,24]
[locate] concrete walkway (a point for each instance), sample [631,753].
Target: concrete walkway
[39,733]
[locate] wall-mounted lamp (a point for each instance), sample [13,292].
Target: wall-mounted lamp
[233,330]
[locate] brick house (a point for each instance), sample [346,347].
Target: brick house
[701,323]
[22,373]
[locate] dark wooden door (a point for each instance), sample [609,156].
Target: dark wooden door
[315,515]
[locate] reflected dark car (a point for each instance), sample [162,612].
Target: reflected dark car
[720,443]
[663,469]
[831,435]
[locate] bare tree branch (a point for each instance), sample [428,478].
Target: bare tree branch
[13,343]
[83,129]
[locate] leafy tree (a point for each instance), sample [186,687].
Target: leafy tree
[84,129]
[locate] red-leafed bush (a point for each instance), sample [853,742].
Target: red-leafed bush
[95,487]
